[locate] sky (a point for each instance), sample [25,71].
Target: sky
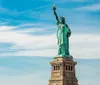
[28,39]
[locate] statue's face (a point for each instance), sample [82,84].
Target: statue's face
[62,19]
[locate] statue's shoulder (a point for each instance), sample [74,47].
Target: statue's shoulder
[58,22]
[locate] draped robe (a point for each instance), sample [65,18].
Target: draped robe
[63,34]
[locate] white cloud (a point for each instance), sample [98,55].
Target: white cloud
[6,28]
[93,7]
[81,45]
[36,30]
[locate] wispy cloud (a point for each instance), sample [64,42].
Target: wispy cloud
[93,7]
[6,28]
[8,11]
[45,45]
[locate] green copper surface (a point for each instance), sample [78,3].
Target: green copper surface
[63,34]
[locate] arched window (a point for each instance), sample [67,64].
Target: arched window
[54,68]
[69,68]
[66,67]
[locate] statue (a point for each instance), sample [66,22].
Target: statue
[63,34]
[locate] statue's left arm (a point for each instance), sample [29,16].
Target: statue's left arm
[69,31]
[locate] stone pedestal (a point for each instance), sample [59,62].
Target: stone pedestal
[63,72]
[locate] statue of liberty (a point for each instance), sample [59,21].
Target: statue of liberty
[63,34]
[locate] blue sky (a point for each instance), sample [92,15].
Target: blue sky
[28,39]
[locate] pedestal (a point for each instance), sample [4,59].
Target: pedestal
[63,71]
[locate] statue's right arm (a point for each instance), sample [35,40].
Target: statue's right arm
[56,16]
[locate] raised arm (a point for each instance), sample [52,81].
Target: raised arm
[54,9]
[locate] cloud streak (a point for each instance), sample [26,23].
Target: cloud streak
[45,45]
[93,7]
[6,28]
